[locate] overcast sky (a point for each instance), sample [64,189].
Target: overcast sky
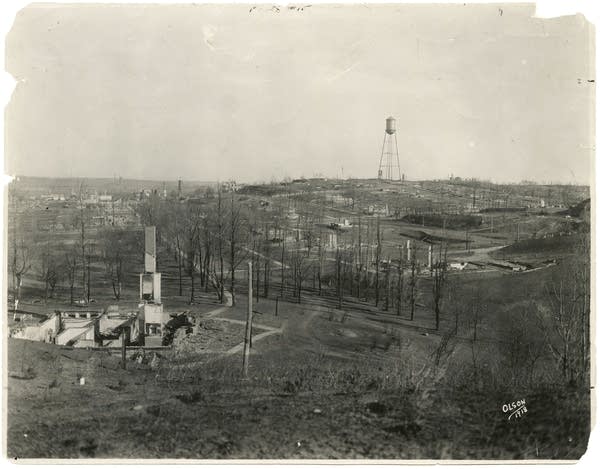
[214,92]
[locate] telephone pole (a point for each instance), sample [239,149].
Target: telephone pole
[248,338]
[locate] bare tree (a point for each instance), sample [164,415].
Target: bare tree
[412,286]
[564,319]
[50,270]
[523,349]
[476,307]
[176,222]
[219,221]
[267,263]
[282,263]
[582,280]
[308,232]
[400,288]
[207,238]
[377,261]
[445,347]
[321,251]
[55,277]
[359,259]
[299,263]
[81,222]
[19,264]
[439,283]
[113,251]
[70,262]
[150,212]
[235,240]
[192,225]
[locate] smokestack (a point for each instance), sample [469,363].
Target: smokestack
[150,249]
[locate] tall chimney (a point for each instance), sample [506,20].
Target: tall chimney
[150,249]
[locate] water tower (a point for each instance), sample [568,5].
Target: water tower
[389,163]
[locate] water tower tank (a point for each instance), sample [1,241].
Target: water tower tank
[390,125]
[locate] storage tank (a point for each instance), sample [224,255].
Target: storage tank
[390,125]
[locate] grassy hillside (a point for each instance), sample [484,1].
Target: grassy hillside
[300,405]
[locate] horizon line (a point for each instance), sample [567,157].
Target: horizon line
[284,178]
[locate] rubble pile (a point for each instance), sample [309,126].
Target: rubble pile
[208,336]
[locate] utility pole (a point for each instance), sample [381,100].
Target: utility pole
[338,262]
[388,286]
[257,277]
[88,278]
[282,267]
[400,288]
[430,258]
[123,350]
[248,337]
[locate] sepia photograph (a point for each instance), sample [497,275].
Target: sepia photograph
[298,232]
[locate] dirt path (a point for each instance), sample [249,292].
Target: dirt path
[269,330]
[270,259]
[217,311]
[239,347]
[477,254]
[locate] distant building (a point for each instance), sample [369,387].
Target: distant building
[458,265]
[98,220]
[230,186]
[374,209]
[55,197]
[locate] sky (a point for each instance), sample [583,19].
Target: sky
[230,92]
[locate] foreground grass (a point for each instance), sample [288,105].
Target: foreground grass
[312,406]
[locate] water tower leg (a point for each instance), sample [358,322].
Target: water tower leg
[380,172]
